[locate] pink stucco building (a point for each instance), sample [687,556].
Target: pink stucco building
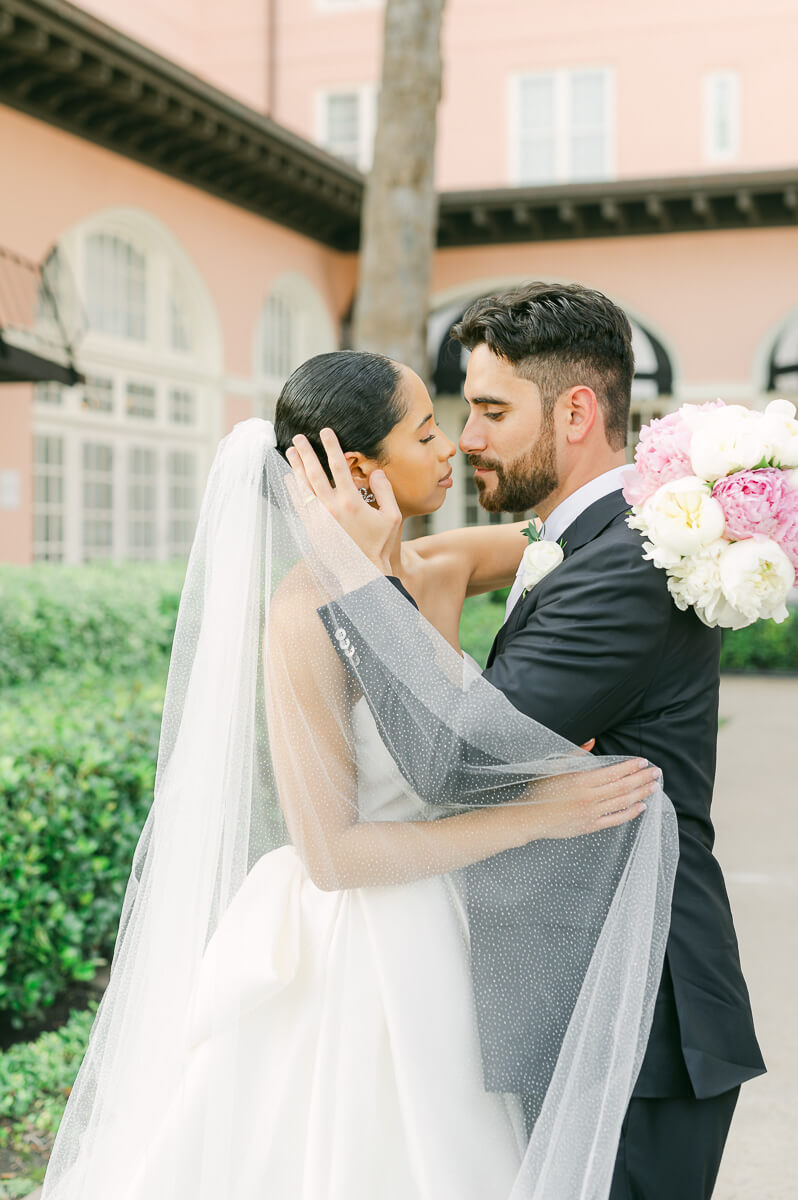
[170,155]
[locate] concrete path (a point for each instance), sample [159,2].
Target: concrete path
[755,812]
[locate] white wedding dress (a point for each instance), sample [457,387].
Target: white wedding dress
[358,1072]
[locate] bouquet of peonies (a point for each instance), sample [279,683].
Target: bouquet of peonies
[714,490]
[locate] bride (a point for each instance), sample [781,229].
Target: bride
[290,1012]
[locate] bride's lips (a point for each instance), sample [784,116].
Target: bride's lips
[446,482]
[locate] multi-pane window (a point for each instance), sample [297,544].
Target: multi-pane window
[142,481]
[181,474]
[98,394]
[123,477]
[563,126]
[179,325]
[721,116]
[98,500]
[116,287]
[48,498]
[140,400]
[347,120]
[342,131]
[537,129]
[280,336]
[182,406]
[49,393]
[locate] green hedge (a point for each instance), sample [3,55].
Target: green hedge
[117,618]
[76,782]
[483,617]
[765,646]
[35,1081]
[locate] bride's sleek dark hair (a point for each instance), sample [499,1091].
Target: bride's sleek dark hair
[353,392]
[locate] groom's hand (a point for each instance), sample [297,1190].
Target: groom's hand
[375,528]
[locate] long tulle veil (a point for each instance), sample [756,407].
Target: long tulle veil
[271,582]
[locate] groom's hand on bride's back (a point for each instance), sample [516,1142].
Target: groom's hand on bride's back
[375,528]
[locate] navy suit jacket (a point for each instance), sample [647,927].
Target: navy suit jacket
[599,649]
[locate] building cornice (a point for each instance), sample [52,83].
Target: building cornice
[67,68]
[73,71]
[621,208]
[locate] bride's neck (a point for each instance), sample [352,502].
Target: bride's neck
[396,551]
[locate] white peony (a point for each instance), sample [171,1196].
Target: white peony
[695,582]
[781,430]
[727,440]
[539,559]
[682,518]
[756,576]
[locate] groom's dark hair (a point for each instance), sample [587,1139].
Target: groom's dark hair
[559,335]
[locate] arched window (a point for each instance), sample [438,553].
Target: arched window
[783,360]
[116,286]
[120,461]
[295,324]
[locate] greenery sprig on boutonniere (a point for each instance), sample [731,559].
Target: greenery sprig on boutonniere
[540,557]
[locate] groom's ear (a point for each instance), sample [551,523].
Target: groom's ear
[581,412]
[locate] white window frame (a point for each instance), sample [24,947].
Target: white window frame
[312,331]
[155,363]
[50,550]
[366,94]
[714,153]
[562,77]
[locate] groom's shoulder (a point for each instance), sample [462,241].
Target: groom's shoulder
[619,546]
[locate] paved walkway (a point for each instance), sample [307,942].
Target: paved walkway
[755,812]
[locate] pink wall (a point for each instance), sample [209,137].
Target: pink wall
[715,300]
[237,253]
[659,55]
[16,454]
[62,181]
[226,44]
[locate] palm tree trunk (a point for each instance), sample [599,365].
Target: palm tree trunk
[400,206]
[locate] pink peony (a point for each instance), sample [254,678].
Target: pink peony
[786,533]
[752,502]
[661,455]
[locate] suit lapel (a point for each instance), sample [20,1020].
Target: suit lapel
[593,521]
[587,526]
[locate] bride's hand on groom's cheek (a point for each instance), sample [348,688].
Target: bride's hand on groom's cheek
[374,528]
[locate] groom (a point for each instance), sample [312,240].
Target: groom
[598,649]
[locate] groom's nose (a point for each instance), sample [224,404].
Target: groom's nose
[472,439]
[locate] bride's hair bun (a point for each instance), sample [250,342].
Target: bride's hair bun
[354,392]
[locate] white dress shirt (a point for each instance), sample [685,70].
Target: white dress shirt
[566,513]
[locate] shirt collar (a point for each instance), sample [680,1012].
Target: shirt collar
[574,505]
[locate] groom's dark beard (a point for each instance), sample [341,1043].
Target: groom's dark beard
[524,482]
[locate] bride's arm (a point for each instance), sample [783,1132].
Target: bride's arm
[482,557]
[308,705]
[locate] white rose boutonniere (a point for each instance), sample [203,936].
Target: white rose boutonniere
[540,557]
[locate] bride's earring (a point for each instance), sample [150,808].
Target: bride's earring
[367,495]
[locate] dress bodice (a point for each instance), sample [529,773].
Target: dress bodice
[382,793]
